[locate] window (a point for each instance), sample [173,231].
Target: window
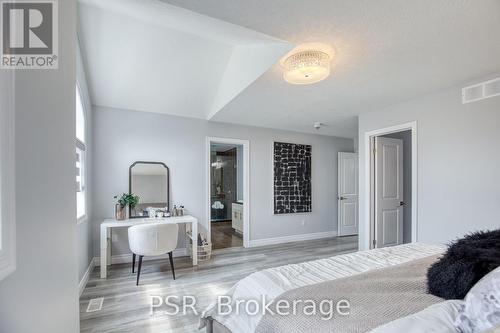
[7,167]
[81,197]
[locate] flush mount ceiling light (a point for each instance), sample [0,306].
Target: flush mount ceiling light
[307,63]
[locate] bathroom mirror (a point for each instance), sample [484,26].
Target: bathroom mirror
[150,181]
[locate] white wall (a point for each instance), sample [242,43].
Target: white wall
[42,294]
[122,137]
[458,163]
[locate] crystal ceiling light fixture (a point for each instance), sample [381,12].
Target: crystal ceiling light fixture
[306,65]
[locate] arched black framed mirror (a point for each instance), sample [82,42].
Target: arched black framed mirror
[150,181]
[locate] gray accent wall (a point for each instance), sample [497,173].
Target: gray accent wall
[122,137]
[458,163]
[42,294]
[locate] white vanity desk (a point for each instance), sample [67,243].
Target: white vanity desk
[190,221]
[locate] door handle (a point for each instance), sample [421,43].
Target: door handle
[342,198]
[401,203]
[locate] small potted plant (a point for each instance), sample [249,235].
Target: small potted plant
[126,200]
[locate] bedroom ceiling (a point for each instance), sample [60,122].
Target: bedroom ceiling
[151,56]
[223,66]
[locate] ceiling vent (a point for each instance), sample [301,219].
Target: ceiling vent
[481,91]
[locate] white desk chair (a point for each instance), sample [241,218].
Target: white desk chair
[152,240]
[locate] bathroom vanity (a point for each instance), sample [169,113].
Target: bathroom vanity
[237,217]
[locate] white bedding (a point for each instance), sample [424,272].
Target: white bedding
[437,318]
[273,282]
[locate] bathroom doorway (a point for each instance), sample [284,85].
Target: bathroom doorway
[227,182]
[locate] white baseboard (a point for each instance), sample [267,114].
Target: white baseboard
[127,257]
[85,278]
[293,238]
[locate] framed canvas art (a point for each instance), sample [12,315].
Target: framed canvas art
[292,178]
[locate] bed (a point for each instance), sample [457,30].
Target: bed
[348,275]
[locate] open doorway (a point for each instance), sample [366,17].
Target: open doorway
[227,195]
[392,186]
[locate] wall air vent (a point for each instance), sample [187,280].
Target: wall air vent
[481,91]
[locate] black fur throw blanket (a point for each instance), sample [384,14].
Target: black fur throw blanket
[464,264]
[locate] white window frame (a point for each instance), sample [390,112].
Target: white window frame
[7,176]
[82,146]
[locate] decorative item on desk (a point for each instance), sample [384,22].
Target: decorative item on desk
[178,211]
[126,200]
[120,212]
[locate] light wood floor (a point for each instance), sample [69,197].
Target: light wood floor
[127,307]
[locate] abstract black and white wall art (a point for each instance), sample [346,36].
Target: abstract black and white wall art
[292,178]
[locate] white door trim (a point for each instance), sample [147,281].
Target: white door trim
[246,184]
[367,184]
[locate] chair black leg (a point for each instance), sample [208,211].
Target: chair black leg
[139,269]
[133,262]
[171,263]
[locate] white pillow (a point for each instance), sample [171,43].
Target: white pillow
[481,309]
[437,318]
